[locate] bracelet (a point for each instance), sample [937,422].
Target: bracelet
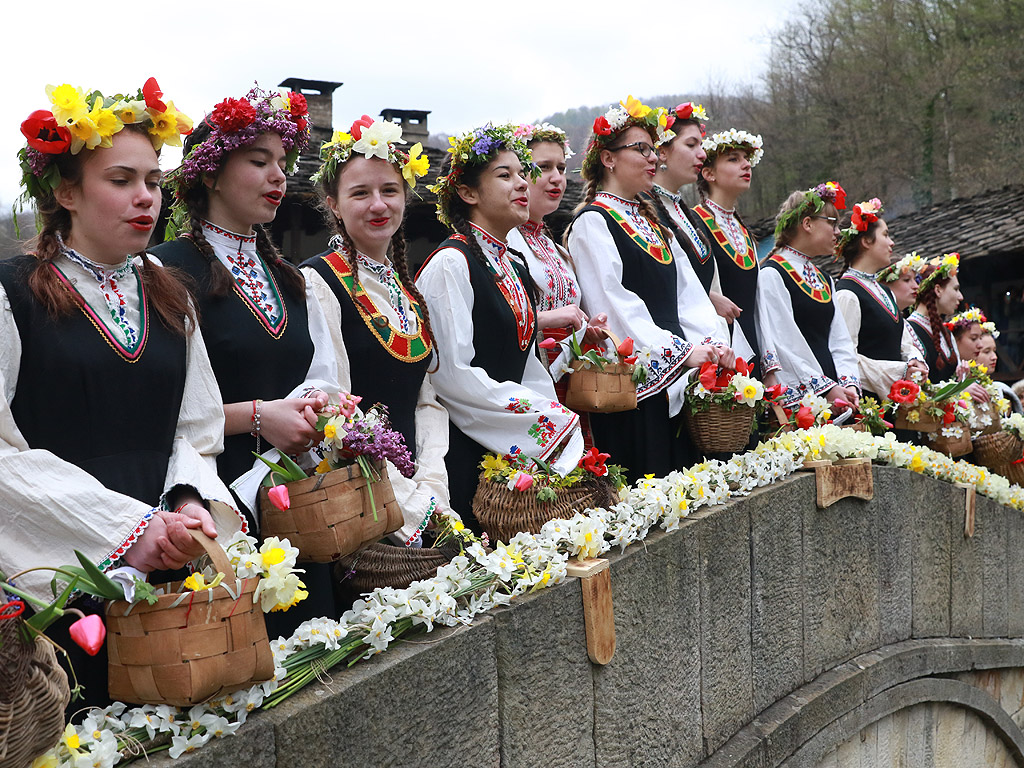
[256,422]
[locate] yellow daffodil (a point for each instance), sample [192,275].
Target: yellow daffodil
[635,108]
[913,416]
[323,467]
[340,137]
[197,582]
[130,111]
[46,760]
[917,463]
[106,122]
[493,465]
[662,117]
[417,166]
[168,127]
[83,133]
[330,431]
[69,103]
[273,556]
[298,596]
[70,738]
[699,112]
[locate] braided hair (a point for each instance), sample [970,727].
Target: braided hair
[939,332]
[164,287]
[197,205]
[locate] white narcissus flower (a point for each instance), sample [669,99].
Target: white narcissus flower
[180,745]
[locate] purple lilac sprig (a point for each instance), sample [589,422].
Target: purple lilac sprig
[376,441]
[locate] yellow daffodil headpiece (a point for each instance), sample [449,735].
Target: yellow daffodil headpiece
[969,317]
[941,270]
[912,262]
[478,147]
[79,119]
[371,138]
[626,114]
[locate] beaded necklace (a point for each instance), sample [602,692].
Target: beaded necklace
[681,218]
[637,227]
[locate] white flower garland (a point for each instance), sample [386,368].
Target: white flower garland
[477,581]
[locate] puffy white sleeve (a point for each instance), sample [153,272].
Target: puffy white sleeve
[323,368]
[497,414]
[876,375]
[599,271]
[842,347]
[798,369]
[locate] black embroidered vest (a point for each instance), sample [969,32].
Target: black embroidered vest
[813,318]
[705,269]
[249,363]
[936,373]
[79,399]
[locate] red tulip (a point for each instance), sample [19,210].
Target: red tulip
[357,127]
[547,343]
[44,135]
[151,93]
[684,111]
[804,417]
[708,376]
[89,633]
[904,391]
[774,391]
[630,360]
[279,497]
[523,481]
[741,367]
[594,461]
[625,349]
[601,126]
[948,417]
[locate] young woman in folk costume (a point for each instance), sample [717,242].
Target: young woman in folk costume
[377,318]
[986,354]
[724,178]
[901,278]
[795,313]
[498,394]
[264,329]
[633,268]
[558,291]
[96,332]
[886,348]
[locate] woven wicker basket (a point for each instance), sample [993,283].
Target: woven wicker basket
[1012,472]
[997,449]
[595,390]
[925,423]
[951,446]
[387,565]
[503,513]
[982,409]
[330,514]
[189,647]
[33,694]
[720,429]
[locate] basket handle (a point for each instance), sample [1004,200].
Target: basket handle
[780,414]
[610,336]
[215,552]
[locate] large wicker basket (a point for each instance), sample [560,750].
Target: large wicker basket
[952,446]
[596,390]
[997,449]
[982,409]
[33,694]
[330,514]
[388,565]
[189,647]
[925,422]
[503,513]
[1012,472]
[720,429]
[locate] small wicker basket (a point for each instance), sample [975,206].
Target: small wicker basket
[503,513]
[189,647]
[997,449]
[596,390]
[989,409]
[330,514]
[388,565]
[926,422]
[952,446]
[720,429]
[33,694]
[1012,472]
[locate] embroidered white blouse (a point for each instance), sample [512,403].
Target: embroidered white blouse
[430,482]
[876,375]
[52,506]
[497,414]
[599,270]
[798,369]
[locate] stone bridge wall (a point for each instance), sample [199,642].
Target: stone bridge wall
[765,632]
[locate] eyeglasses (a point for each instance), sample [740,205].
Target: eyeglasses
[832,220]
[645,149]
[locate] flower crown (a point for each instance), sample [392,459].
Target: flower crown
[478,147]
[945,268]
[372,138]
[546,132]
[912,262]
[690,111]
[969,317]
[863,214]
[726,141]
[612,123]
[237,123]
[79,119]
[814,200]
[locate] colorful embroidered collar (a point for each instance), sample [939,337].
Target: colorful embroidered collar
[822,294]
[658,251]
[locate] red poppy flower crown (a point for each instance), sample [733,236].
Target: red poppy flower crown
[863,215]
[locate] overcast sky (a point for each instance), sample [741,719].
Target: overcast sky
[465,61]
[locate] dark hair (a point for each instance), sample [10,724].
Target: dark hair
[703,185]
[851,250]
[328,187]
[938,329]
[197,204]
[165,291]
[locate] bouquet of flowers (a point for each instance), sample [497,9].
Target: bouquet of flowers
[728,387]
[586,356]
[871,414]
[520,473]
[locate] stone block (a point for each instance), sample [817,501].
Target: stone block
[725,611]
[1014,573]
[776,614]
[546,706]
[995,561]
[926,501]
[967,581]
[840,583]
[647,699]
[895,536]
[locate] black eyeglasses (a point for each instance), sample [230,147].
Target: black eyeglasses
[645,149]
[832,220]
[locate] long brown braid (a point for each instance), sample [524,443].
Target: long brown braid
[938,329]
[165,290]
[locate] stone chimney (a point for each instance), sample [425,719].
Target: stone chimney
[320,99]
[413,122]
